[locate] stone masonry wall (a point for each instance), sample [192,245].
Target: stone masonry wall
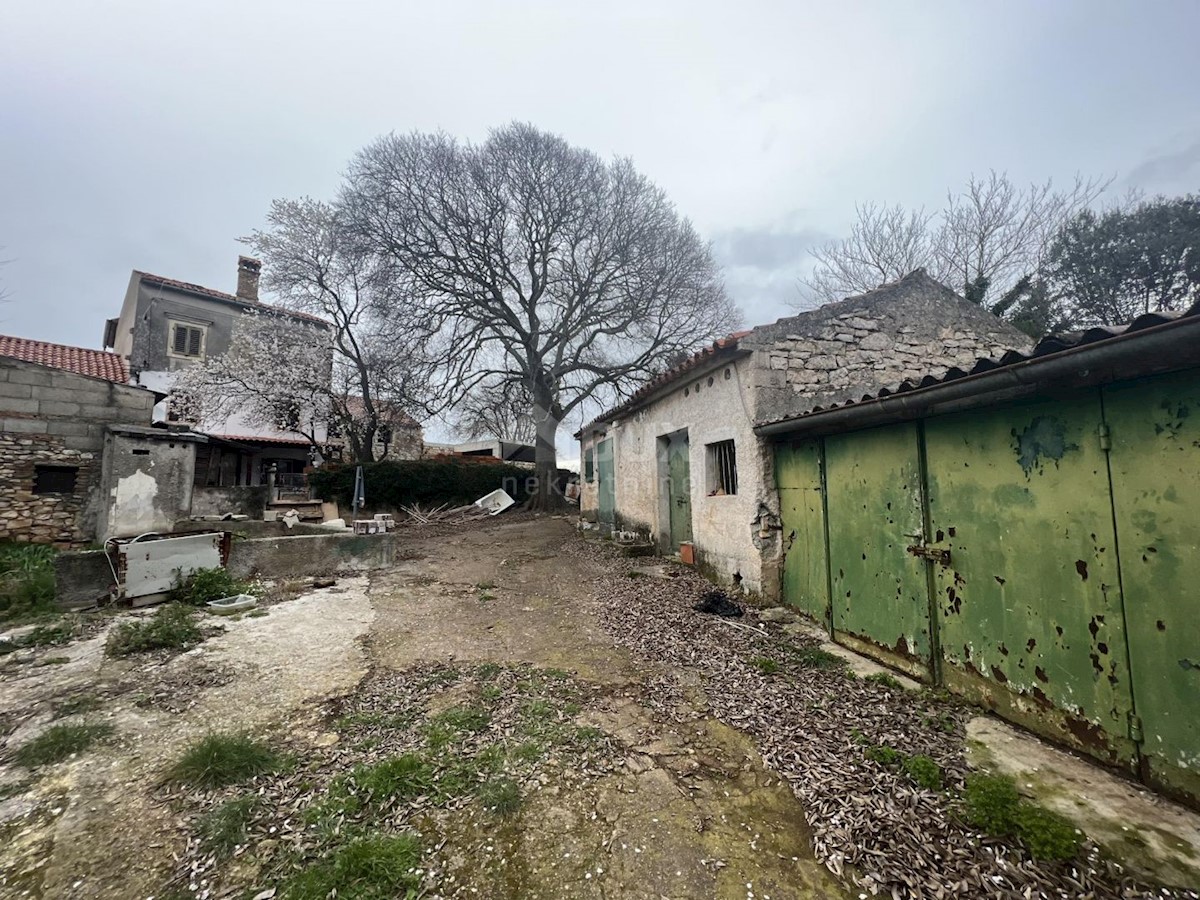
[52,417]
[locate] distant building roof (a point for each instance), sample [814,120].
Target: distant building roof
[231,299]
[80,360]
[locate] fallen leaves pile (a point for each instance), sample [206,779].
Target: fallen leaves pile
[813,722]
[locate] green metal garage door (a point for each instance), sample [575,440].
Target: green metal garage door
[805,576]
[1030,613]
[879,591]
[1155,458]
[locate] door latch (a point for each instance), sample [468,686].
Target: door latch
[937,554]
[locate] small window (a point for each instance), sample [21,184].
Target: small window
[589,466]
[55,479]
[722,468]
[187,340]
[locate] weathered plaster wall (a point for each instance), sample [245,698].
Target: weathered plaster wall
[52,417]
[712,406]
[147,482]
[217,501]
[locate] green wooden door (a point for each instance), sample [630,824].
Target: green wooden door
[679,489]
[1155,459]
[879,591]
[605,483]
[1030,614]
[805,574]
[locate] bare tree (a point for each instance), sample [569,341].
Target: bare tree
[533,261]
[989,236]
[499,409]
[311,267]
[885,243]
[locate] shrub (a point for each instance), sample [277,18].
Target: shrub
[171,627]
[58,742]
[205,585]
[428,482]
[27,587]
[992,802]
[1047,834]
[379,867]
[924,771]
[220,759]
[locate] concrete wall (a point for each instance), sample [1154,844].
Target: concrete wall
[216,501]
[147,481]
[712,405]
[52,417]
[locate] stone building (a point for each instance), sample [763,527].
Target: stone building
[679,463]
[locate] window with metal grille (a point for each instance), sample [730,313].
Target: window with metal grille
[589,466]
[187,340]
[55,479]
[722,468]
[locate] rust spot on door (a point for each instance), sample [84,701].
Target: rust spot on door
[1081,568]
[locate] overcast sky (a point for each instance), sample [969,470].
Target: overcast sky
[152,135]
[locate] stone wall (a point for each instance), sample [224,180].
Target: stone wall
[57,418]
[843,351]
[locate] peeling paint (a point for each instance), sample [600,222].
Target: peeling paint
[1044,439]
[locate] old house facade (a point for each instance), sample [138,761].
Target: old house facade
[680,463]
[166,325]
[78,460]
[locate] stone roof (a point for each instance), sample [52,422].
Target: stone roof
[231,299]
[80,360]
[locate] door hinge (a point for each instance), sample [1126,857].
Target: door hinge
[1105,436]
[1135,729]
[937,554]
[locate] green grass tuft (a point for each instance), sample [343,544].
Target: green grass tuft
[405,776]
[220,759]
[501,796]
[924,771]
[204,585]
[379,867]
[488,671]
[171,627]
[486,585]
[765,664]
[223,828]
[463,718]
[816,658]
[992,802]
[58,742]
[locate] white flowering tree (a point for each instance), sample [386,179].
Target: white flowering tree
[276,374]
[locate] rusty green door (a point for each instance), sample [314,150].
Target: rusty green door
[679,488]
[879,591]
[1155,459]
[1029,608]
[805,575]
[606,483]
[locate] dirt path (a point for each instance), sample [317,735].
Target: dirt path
[690,812]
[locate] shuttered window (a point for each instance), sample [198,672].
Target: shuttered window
[187,340]
[722,468]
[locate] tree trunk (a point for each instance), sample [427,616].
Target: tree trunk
[545,456]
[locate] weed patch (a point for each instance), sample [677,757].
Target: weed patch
[379,867]
[992,802]
[82,703]
[885,755]
[815,658]
[172,627]
[223,828]
[400,777]
[501,796]
[883,678]
[27,587]
[221,759]
[765,664]
[58,742]
[1047,834]
[205,585]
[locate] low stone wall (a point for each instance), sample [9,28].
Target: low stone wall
[245,500]
[84,578]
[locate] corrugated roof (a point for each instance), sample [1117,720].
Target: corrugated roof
[232,299]
[80,360]
[724,346]
[256,439]
[1047,346]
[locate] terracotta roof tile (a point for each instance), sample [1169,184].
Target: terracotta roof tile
[234,300]
[80,360]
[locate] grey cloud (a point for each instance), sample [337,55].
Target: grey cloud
[1174,170]
[766,248]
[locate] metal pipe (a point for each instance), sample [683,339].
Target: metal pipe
[1161,348]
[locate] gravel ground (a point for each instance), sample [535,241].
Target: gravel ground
[872,826]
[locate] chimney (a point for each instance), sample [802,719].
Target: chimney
[248,270]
